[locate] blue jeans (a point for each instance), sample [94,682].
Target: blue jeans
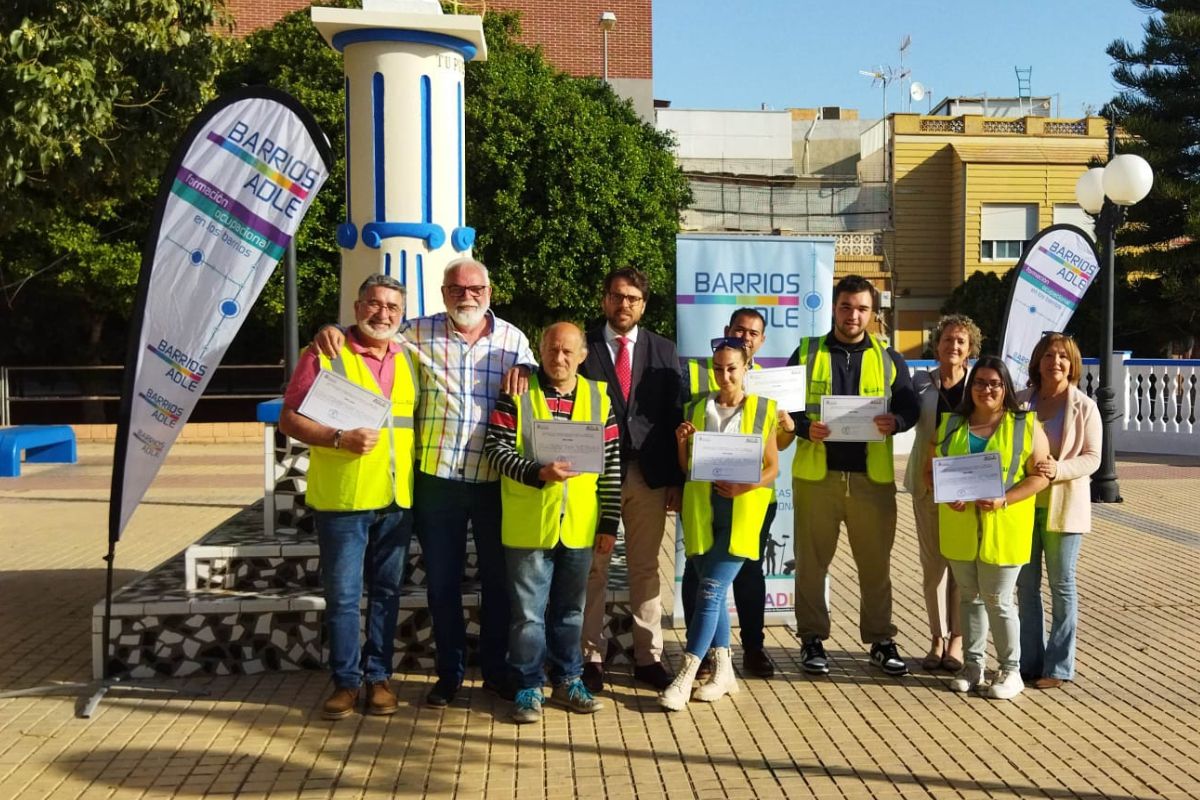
[749,590]
[443,509]
[985,595]
[547,589]
[716,570]
[353,543]
[1053,658]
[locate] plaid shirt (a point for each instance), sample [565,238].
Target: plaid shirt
[459,386]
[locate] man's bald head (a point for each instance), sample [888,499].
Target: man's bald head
[562,350]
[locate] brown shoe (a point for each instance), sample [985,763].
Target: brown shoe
[1047,683]
[341,703]
[381,699]
[654,674]
[593,676]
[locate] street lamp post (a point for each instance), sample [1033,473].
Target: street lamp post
[1105,192]
[608,22]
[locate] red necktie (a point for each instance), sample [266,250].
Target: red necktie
[624,373]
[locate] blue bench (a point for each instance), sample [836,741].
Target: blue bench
[43,444]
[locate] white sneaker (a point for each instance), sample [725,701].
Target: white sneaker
[968,679]
[1007,685]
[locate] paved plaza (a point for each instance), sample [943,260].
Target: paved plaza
[1129,727]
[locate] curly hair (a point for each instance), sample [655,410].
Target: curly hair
[974,335]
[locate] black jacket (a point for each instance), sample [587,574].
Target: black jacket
[655,407]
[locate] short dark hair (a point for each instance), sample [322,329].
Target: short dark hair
[379,279]
[747,312]
[853,284]
[629,275]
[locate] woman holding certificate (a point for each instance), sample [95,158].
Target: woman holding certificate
[1064,510]
[940,390]
[726,443]
[987,535]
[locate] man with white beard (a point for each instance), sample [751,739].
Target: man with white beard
[463,355]
[360,486]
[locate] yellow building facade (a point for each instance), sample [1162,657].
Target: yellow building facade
[966,193]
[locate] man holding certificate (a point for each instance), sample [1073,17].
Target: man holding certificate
[842,472]
[560,494]
[748,326]
[360,486]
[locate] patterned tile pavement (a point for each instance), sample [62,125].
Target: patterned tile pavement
[1128,728]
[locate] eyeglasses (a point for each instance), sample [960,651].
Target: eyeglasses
[459,292]
[1063,334]
[376,306]
[618,299]
[987,386]
[727,341]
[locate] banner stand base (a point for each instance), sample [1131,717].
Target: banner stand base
[90,694]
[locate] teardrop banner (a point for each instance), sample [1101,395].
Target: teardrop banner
[232,198]
[1056,269]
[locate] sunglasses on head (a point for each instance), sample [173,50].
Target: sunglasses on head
[727,341]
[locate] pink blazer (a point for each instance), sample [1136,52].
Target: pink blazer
[1070,508]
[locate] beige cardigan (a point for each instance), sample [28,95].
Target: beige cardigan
[1070,508]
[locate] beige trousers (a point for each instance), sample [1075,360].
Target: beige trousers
[937,581]
[869,512]
[643,510]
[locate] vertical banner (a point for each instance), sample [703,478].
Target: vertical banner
[1054,272]
[790,280]
[232,197]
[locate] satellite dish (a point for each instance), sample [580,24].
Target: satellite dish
[916,91]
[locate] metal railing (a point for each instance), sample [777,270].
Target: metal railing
[65,395]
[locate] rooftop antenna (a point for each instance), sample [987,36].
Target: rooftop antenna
[918,91]
[882,76]
[905,41]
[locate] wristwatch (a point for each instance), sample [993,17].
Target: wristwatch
[337,439]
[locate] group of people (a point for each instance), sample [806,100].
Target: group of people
[457,454]
[975,555]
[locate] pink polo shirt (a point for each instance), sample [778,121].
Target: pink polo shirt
[384,369]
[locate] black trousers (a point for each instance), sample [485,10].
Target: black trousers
[749,590]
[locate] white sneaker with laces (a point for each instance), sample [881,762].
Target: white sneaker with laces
[968,679]
[1007,685]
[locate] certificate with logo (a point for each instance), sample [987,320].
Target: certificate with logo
[580,444]
[340,403]
[852,418]
[731,457]
[971,477]
[784,385]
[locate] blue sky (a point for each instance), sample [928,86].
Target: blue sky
[805,53]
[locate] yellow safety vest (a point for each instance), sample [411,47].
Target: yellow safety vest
[339,480]
[1003,537]
[875,378]
[700,376]
[749,509]
[566,511]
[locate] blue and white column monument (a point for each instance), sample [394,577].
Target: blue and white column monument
[405,199]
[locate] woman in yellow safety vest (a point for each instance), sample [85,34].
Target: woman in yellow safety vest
[721,520]
[987,541]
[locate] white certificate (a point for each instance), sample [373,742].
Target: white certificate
[732,457]
[580,444]
[784,385]
[973,477]
[339,403]
[852,418]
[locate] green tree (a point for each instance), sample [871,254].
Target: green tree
[1159,109]
[564,183]
[98,93]
[984,298]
